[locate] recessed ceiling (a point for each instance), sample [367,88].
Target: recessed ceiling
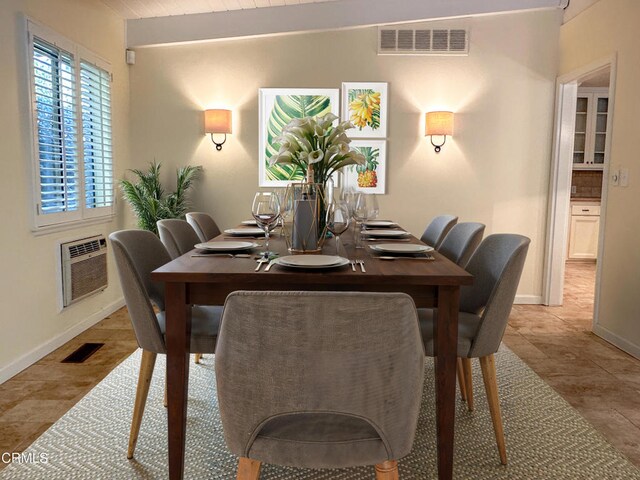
[133,9]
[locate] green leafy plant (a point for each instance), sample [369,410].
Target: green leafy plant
[147,197]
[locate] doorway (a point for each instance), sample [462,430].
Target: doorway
[578,190]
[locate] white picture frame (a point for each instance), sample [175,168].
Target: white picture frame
[271,123]
[351,176]
[367,123]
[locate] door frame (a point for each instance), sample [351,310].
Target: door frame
[559,212]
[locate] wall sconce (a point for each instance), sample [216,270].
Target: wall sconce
[217,121]
[439,123]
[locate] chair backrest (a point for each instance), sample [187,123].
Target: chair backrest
[137,254]
[438,229]
[349,353]
[461,241]
[204,225]
[496,267]
[177,236]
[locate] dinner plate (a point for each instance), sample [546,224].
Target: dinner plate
[249,222]
[245,231]
[312,261]
[386,233]
[226,246]
[401,248]
[379,223]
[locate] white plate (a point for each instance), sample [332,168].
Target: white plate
[226,246]
[249,222]
[312,261]
[401,248]
[386,233]
[379,223]
[245,231]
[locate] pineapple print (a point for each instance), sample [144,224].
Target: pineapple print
[367,175]
[364,106]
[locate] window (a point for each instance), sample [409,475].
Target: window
[73,151]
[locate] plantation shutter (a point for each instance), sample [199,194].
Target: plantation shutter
[95,86]
[57,135]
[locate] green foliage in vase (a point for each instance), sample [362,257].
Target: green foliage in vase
[285,109]
[147,196]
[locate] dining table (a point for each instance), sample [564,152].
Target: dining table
[194,280]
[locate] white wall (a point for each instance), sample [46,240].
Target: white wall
[495,170]
[30,322]
[610,27]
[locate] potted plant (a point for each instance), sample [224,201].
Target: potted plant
[148,199]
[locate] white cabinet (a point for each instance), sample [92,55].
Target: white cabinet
[590,136]
[583,235]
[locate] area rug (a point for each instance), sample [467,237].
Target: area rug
[546,438]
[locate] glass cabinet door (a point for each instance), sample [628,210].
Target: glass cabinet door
[602,108]
[580,134]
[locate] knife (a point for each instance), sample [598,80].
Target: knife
[270,265]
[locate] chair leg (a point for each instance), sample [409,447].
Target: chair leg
[387,470]
[460,374]
[144,380]
[488,366]
[198,357]
[468,382]
[165,400]
[248,469]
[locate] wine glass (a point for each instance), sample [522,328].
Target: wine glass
[338,219]
[366,208]
[286,207]
[266,211]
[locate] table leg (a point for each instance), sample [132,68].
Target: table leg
[178,337]
[446,343]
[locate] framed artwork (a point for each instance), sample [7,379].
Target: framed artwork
[370,177]
[277,107]
[365,105]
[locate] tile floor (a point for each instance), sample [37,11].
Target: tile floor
[599,380]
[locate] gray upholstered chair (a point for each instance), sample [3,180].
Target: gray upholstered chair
[319,379]
[137,254]
[461,241]
[177,236]
[484,311]
[204,225]
[438,229]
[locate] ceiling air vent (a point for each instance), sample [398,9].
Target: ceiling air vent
[422,39]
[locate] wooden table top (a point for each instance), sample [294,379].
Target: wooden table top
[224,269]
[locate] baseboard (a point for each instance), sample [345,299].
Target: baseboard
[616,340]
[49,346]
[528,300]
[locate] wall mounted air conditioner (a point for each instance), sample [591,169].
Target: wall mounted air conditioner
[430,38]
[84,268]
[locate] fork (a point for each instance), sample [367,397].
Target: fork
[353,265]
[361,263]
[232,255]
[260,262]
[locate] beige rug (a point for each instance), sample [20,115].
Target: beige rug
[546,438]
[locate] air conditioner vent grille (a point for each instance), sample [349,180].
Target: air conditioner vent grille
[423,39]
[84,268]
[84,248]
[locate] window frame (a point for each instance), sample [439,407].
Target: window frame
[43,222]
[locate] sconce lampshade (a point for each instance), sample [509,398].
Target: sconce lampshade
[217,121]
[439,123]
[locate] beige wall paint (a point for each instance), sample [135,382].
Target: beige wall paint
[28,283]
[495,170]
[609,28]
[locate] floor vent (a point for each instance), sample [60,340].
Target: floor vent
[433,38]
[83,352]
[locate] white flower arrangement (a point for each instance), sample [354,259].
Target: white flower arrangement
[315,142]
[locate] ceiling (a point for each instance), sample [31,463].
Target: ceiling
[134,9]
